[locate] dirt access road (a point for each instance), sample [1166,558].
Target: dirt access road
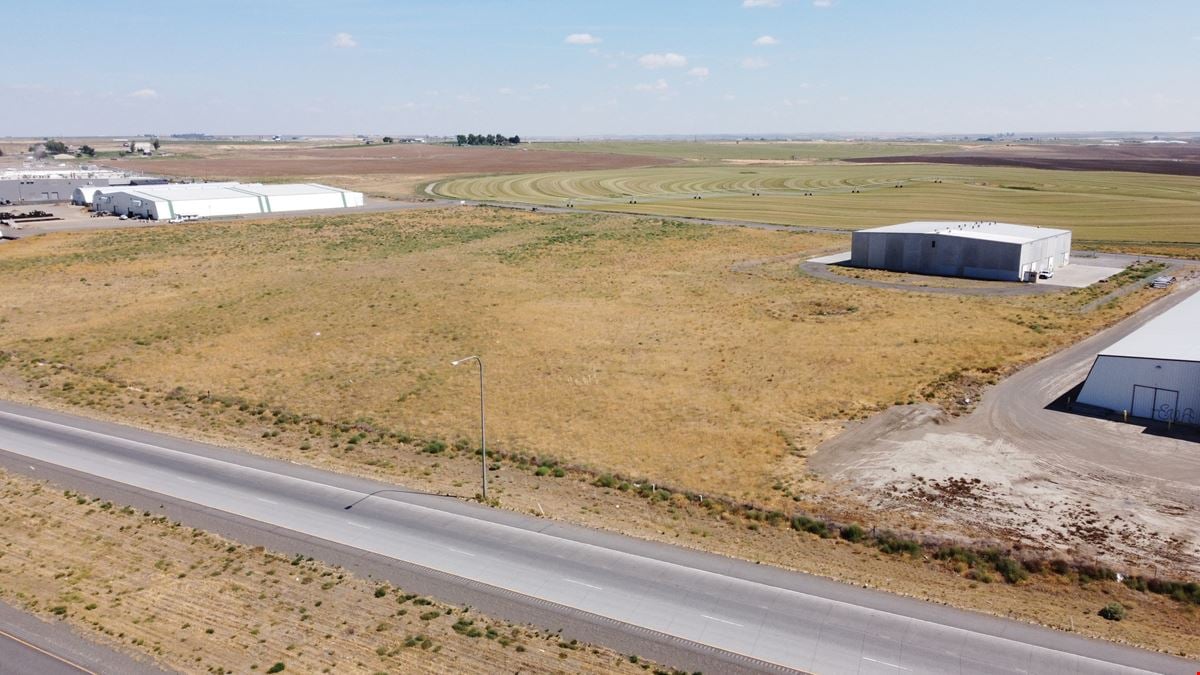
[1021,468]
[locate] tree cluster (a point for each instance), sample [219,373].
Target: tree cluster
[490,139]
[87,150]
[55,147]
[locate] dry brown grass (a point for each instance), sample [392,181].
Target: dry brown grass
[619,343]
[196,602]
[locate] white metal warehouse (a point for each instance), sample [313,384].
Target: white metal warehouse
[1154,372]
[206,200]
[980,250]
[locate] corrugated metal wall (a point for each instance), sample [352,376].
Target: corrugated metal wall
[1166,390]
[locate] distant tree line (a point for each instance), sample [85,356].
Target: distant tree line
[490,139]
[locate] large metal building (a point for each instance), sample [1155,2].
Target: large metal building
[1154,372]
[207,200]
[26,186]
[981,250]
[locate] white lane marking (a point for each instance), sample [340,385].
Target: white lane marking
[469,555]
[188,480]
[267,501]
[573,581]
[32,468]
[713,618]
[114,461]
[365,527]
[885,663]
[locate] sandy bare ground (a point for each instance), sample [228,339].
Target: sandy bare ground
[1029,471]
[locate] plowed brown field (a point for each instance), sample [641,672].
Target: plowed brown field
[417,159]
[1167,158]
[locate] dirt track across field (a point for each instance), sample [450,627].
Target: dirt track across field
[420,159]
[1026,466]
[1182,159]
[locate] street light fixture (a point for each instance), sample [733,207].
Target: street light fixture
[482,421]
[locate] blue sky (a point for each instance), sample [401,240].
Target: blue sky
[566,68]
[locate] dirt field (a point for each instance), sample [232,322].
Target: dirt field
[1157,158]
[397,159]
[195,602]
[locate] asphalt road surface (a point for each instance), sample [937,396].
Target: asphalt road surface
[695,610]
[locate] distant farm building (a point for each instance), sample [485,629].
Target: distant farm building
[207,200]
[1154,372]
[982,250]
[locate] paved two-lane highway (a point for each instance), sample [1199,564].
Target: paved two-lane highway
[724,613]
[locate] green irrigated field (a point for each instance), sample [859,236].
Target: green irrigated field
[749,150]
[1098,206]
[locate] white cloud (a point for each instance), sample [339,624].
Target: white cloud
[505,91]
[822,3]
[582,39]
[698,71]
[750,4]
[658,85]
[667,60]
[765,41]
[541,87]
[754,63]
[145,94]
[344,41]
[467,98]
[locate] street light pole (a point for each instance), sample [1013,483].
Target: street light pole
[482,421]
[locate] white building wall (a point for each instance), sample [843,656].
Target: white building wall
[1165,390]
[315,200]
[209,208]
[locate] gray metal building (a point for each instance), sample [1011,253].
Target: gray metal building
[43,186]
[1154,372]
[981,250]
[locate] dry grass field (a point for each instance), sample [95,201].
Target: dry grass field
[1096,206]
[195,602]
[614,343]
[621,343]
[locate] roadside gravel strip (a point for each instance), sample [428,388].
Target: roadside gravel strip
[689,609]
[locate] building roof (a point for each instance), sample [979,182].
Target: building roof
[185,191]
[1172,335]
[287,189]
[992,231]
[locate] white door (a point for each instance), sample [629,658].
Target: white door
[1143,401]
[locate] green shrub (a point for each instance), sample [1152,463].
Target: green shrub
[277,668]
[806,524]
[1010,569]
[434,447]
[605,481]
[1113,611]
[888,542]
[381,591]
[542,471]
[558,472]
[853,533]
